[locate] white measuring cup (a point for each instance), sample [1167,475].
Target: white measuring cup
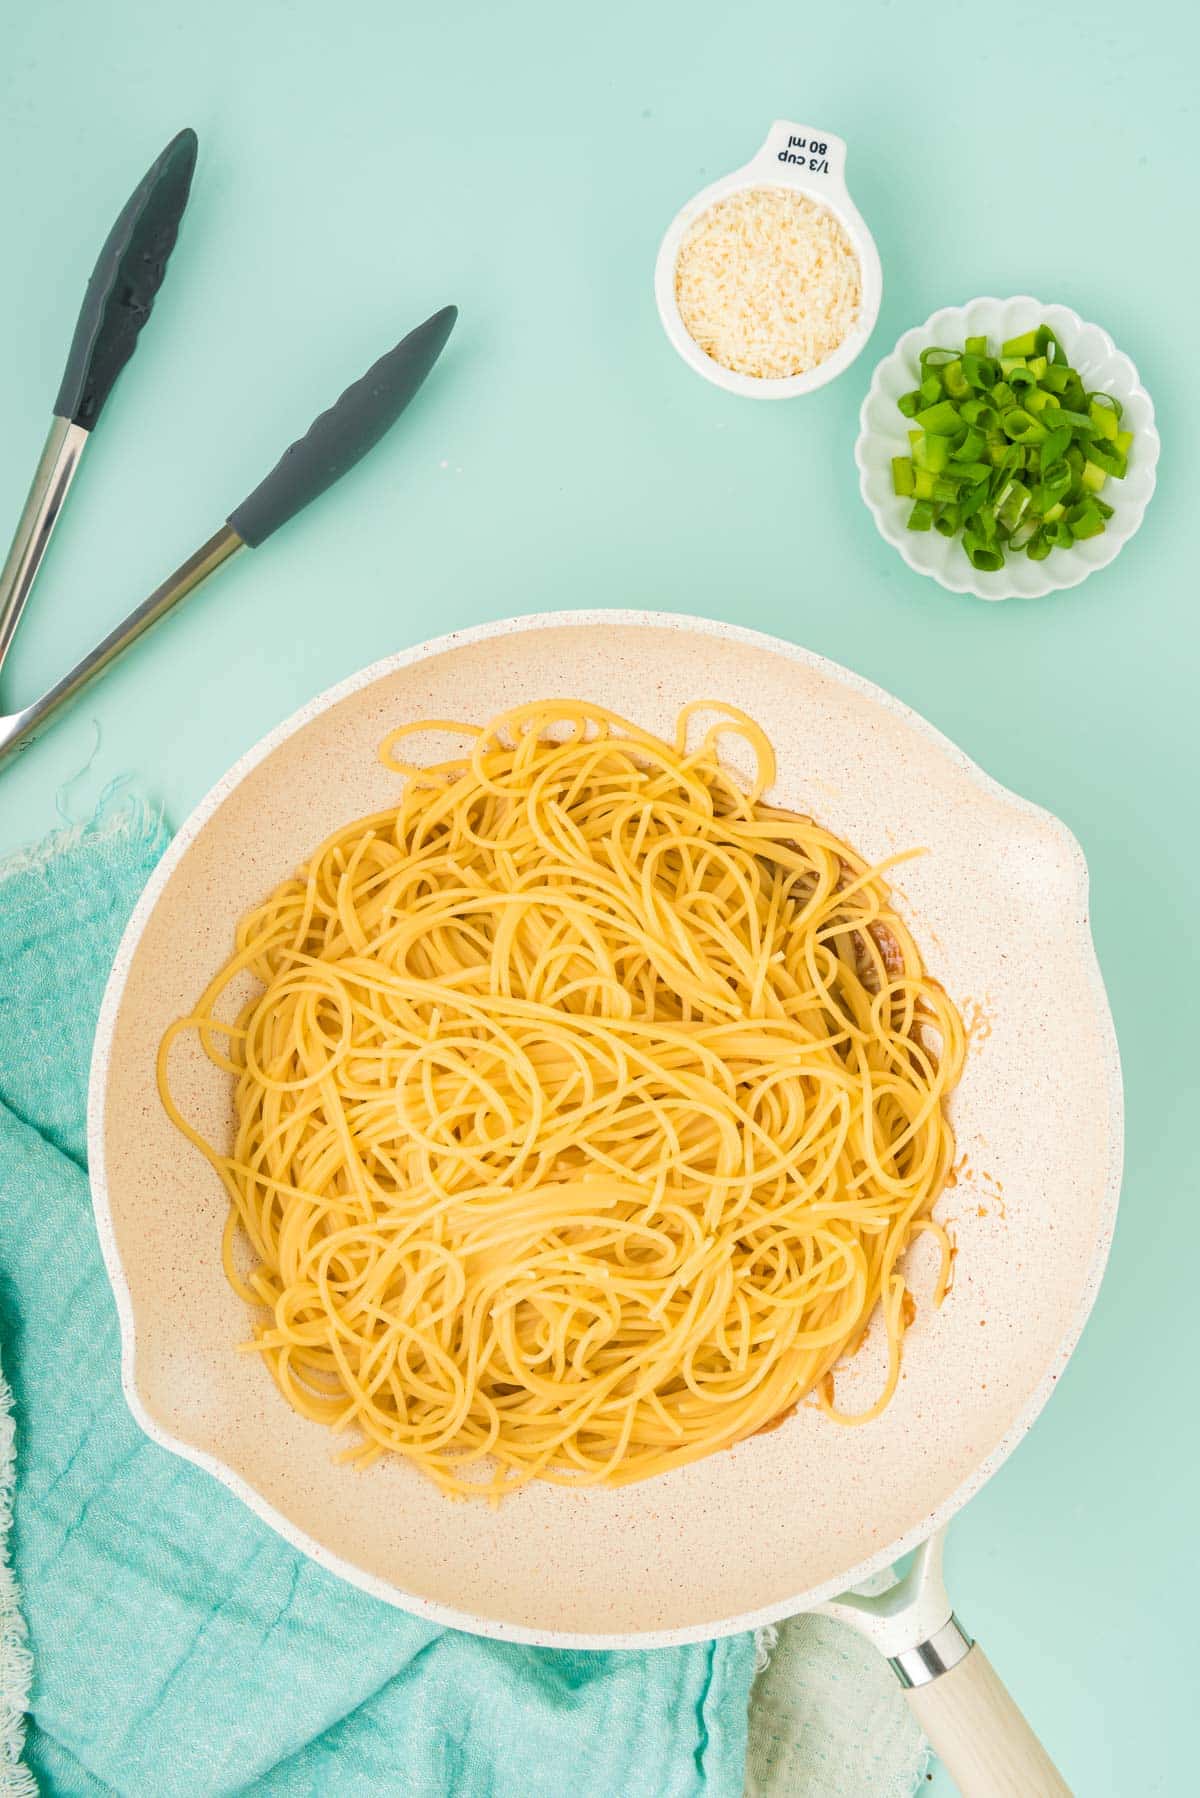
[810,162]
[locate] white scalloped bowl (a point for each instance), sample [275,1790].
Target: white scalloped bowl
[883,433]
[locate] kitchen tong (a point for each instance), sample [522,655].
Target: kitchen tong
[119,299]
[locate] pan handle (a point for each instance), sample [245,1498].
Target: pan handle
[960,1703]
[975,1727]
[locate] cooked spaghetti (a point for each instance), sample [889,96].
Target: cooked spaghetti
[586,1106]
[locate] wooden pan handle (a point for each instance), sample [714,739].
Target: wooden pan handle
[988,1748]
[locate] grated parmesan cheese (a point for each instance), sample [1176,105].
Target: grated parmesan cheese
[767,282]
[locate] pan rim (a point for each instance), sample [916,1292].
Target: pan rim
[429,1609]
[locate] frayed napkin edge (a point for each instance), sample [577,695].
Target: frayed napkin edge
[16,1662]
[131,817]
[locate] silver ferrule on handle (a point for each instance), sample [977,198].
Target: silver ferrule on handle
[55,471]
[944,1649]
[19,728]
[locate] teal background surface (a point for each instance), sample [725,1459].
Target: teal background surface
[361,166]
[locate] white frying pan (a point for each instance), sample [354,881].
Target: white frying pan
[786,1521]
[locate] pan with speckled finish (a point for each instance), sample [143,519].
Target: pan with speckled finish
[787,1519]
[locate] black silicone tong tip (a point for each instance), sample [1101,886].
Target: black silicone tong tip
[342,436]
[125,280]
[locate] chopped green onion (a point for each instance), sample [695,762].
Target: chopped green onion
[1105,414]
[1010,508]
[1085,520]
[969,445]
[955,381]
[1079,424]
[1021,426]
[941,420]
[933,453]
[968,507]
[980,371]
[1108,401]
[1009,450]
[1108,457]
[979,412]
[1055,484]
[1045,340]
[983,555]
[1055,445]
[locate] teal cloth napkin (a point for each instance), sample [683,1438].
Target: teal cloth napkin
[181,1647]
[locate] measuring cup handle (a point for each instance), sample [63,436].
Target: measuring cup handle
[803,156]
